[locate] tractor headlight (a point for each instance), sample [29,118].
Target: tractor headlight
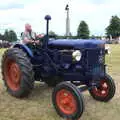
[77,55]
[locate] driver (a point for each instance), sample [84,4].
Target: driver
[28,36]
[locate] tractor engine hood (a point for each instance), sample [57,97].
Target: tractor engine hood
[75,44]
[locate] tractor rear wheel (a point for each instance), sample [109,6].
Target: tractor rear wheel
[68,101]
[105,91]
[17,72]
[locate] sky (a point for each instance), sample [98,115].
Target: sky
[97,13]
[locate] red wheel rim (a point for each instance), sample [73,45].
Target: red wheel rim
[102,90]
[66,102]
[12,74]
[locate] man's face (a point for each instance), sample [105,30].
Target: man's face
[28,27]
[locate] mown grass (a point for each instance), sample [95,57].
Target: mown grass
[113,60]
[38,106]
[2,51]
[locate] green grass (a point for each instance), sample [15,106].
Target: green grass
[2,51]
[113,60]
[38,106]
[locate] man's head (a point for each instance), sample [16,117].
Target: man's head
[28,27]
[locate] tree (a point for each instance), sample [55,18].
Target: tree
[10,36]
[114,27]
[83,30]
[52,34]
[6,35]
[1,37]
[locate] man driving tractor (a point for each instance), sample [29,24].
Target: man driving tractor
[29,37]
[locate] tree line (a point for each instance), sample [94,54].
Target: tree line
[83,31]
[9,36]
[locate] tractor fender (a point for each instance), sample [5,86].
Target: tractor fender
[25,48]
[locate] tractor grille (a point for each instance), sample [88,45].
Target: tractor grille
[66,56]
[96,69]
[95,61]
[95,57]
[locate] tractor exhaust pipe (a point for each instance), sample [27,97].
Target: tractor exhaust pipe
[47,18]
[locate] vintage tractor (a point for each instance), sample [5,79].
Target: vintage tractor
[71,66]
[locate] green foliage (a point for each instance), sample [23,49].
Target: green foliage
[6,35]
[52,34]
[10,36]
[83,30]
[65,37]
[61,37]
[114,27]
[95,37]
[1,37]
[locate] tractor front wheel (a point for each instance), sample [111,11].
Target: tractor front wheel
[68,101]
[17,72]
[105,91]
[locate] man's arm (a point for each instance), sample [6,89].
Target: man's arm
[25,39]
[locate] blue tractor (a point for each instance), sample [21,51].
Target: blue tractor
[70,66]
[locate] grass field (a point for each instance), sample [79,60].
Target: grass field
[38,105]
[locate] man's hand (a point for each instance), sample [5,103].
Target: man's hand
[26,41]
[31,41]
[40,36]
[37,42]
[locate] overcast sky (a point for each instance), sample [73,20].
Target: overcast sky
[15,13]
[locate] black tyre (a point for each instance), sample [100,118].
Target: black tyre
[52,81]
[17,72]
[68,101]
[106,91]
